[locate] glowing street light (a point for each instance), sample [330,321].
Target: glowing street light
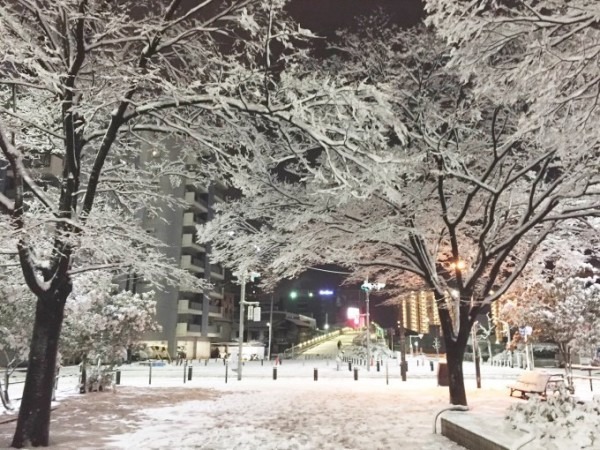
[459,265]
[367,287]
[416,344]
[293,295]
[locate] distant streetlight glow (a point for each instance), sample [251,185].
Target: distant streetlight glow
[459,265]
[293,295]
[310,294]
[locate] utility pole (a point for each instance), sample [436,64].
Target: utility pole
[241,327]
[476,354]
[270,327]
[403,364]
[243,302]
[368,332]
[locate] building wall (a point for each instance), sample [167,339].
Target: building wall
[192,321]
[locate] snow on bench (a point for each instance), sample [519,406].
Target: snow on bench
[533,382]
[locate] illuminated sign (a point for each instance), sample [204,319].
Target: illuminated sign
[325,292]
[353,314]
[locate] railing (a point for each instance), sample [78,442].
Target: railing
[18,378]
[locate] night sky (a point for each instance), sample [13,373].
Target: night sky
[326,16]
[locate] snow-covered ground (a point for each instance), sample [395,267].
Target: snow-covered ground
[292,412]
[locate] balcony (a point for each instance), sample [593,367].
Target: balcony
[196,203]
[215,311]
[217,272]
[213,331]
[44,164]
[192,264]
[188,219]
[188,241]
[188,307]
[189,329]
[216,294]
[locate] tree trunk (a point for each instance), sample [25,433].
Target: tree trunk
[455,352]
[33,425]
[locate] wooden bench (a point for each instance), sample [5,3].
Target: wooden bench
[532,382]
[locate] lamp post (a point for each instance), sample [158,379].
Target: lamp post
[367,287]
[269,351]
[270,325]
[241,328]
[243,275]
[410,344]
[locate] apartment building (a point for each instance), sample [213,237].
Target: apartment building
[192,321]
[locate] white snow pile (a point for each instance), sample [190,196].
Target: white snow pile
[559,422]
[379,350]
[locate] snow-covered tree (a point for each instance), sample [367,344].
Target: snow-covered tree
[102,321]
[540,56]
[565,310]
[462,201]
[131,98]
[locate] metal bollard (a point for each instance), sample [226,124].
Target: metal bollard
[316,374]
[274,373]
[118,377]
[184,367]
[378,366]
[206,362]
[387,377]
[190,373]
[431,365]
[226,370]
[356,374]
[150,374]
[403,370]
[350,366]
[262,362]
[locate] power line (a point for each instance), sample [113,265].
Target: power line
[330,271]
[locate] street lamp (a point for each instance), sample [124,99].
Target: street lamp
[368,287]
[243,302]
[410,344]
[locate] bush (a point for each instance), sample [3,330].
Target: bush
[99,379]
[558,421]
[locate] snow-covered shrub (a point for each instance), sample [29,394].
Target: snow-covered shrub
[99,379]
[559,422]
[101,321]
